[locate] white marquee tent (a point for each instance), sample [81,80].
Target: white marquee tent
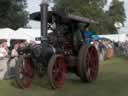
[5,33]
[12,34]
[116,37]
[20,34]
[31,34]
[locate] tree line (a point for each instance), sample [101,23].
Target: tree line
[94,9]
[13,13]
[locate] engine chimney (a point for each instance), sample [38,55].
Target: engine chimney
[44,20]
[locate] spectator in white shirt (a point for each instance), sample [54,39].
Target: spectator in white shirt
[14,52]
[3,49]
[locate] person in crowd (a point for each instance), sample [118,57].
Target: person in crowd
[3,49]
[120,48]
[116,48]
[101,51]
[109,50]
[14,52]
[126,48]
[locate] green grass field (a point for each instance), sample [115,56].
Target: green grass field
[112,81]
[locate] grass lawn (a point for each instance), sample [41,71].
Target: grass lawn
[112,81]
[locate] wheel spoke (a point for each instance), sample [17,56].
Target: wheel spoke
[55,73]
[25,73]
[58,72]
[92,64]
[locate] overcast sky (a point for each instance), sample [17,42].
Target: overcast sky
[34,5]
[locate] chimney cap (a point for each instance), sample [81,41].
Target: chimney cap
[44,1]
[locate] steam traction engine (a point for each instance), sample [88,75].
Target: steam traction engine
[60,52]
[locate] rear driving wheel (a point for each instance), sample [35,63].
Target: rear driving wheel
[57,71]
[24,72]
[88,63]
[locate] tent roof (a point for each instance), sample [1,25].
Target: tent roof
[5,33]
[20,34]
[33,33]
[115,37]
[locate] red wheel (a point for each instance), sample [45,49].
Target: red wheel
[57,71]
[88,63]
[24,72]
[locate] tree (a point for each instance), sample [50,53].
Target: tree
[71,6]
[117,11]
[13,14]
[92,9]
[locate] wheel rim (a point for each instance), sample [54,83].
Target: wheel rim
[59,72]
[25,72]
[92,62]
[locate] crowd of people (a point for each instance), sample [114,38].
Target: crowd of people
[105,49]
[6,51]
[108,49]
[8,56]
[121,48]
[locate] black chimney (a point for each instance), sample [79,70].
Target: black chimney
[44,21]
